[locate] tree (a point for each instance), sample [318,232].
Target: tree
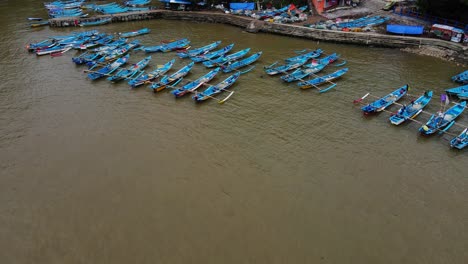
[450,9]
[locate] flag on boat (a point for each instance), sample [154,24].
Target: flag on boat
[444,99]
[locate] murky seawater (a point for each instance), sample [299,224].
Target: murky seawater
[92,172]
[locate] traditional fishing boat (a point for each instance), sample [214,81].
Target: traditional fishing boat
[196,52]
[443,121]
[39,23]
[216,89]
[192,86]
[134,33]
[63,4]
[461,77]
[91,56]
[384,102]
[136,2]
[130,71]
[286,67]
[323,79]
[171,79]
[412,110]
[115,54]
[99,22]
[328,60]
[173,45]
[242,63]
[103,41]
[45,44]
[84,43]
[226,59]
[272,13]
[212,55]
[460,91]
[111,46]
[299,74]
[460,141]
[40,52]
[309,55]
[108,69]
[146,78]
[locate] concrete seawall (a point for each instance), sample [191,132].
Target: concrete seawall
[455,51]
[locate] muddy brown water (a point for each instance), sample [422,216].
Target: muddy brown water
[92,172]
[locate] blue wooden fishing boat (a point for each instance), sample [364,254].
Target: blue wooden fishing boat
[461,92]
[309,55]
[108,69]
[63,4]
[40,52]
[461,77]
[323,79]
[271,13]
[173,45]
[362,22]
[299,74]
[184,45]
[111,46]
[136,2]
[39,23]
[412,110]
[146,78]
[130,71]
[460,141]
[332,58]
[45,44]
[88,42]
[76,35]
[201,50]
[99,22]
[134,33]
[286,67]
[226,59]
[192,86]
[216,89]
[103,41]
[443,121]
[111,8]
[115,54]
[212,55]
[384,102]
[172,79]
[242,63]
[98,52]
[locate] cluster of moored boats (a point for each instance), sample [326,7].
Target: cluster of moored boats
[461,77]
[288,14]
[350,24]
[306,65]
[439,123]
[78,9]
[108,60]
[107,54]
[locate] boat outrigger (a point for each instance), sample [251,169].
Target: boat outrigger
[412,110]
[380,104]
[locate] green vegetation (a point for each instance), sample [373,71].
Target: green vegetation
[450,9]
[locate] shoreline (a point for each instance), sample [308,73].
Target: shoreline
[445,50]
